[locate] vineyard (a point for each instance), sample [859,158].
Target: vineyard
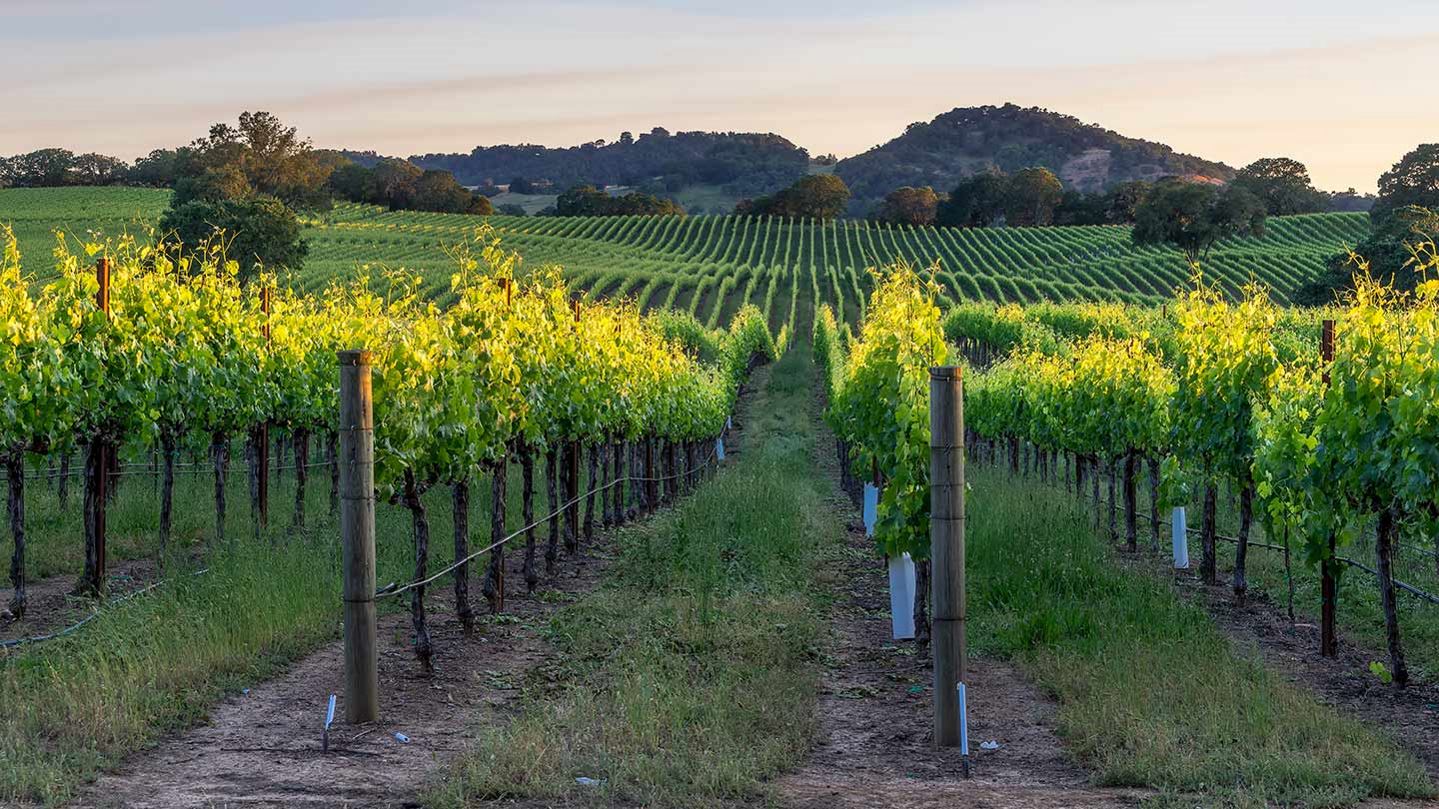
[711,266]
[557,398]
[1319,426]
[146,361]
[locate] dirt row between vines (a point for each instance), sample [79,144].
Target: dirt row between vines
[875,747]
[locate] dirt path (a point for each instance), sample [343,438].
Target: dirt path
[875,708]
[263,748]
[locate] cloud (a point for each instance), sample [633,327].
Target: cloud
[836,76]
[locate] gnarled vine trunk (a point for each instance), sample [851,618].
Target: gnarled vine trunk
[168,451]
[15,473]
[1131,500]
[552,471]
[302,473]
[591,491]
[619,473]
[1154,502]
[1241,551]
[460,502]
[220,460]
[252,465]
[332,457]
[495,572]
[421,525]
[1208,564]
[527,491]
[1384,561]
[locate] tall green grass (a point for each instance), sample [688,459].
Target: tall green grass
[1150,692]
[74,705]
[690,678]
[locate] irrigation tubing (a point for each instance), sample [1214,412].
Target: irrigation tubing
[96,613]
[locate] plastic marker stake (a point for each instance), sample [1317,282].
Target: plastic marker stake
[719,449]
[871,508]
[329,720]
[963,731]
[1180,537]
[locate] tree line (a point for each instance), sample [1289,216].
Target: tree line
[260,155]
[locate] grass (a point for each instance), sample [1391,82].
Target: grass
[1150,693]
[690,677]
[155,664]
[74,705]
[1360,617]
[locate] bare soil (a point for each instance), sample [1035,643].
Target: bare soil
[264,748]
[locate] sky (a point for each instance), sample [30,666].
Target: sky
[1342,86]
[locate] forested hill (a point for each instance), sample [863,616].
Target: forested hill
[744,163]
[964,141]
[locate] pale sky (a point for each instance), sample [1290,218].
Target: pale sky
[1345,87]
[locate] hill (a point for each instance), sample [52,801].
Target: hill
[657,161]
[968,140]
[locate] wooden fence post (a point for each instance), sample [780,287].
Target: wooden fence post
[1329,587]
[357,537]
[946,536]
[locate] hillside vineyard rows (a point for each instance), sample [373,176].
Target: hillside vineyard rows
[710,266]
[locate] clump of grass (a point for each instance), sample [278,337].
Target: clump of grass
[1150,693]
[74,705]
[691,676]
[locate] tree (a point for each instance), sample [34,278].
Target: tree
[437,191]
[1033,194]
[909,206]
[260,231]
[976,202]
[395,182]
[1282,184]
[582,200]
[586,200]
[1414,180]
[356,183]
[212,185]
[1193,216]
[1123,200]
[1386,251]
[817,196]
[271,157]
[1351,200]
[1076,208]
[162,167]
[44,168]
